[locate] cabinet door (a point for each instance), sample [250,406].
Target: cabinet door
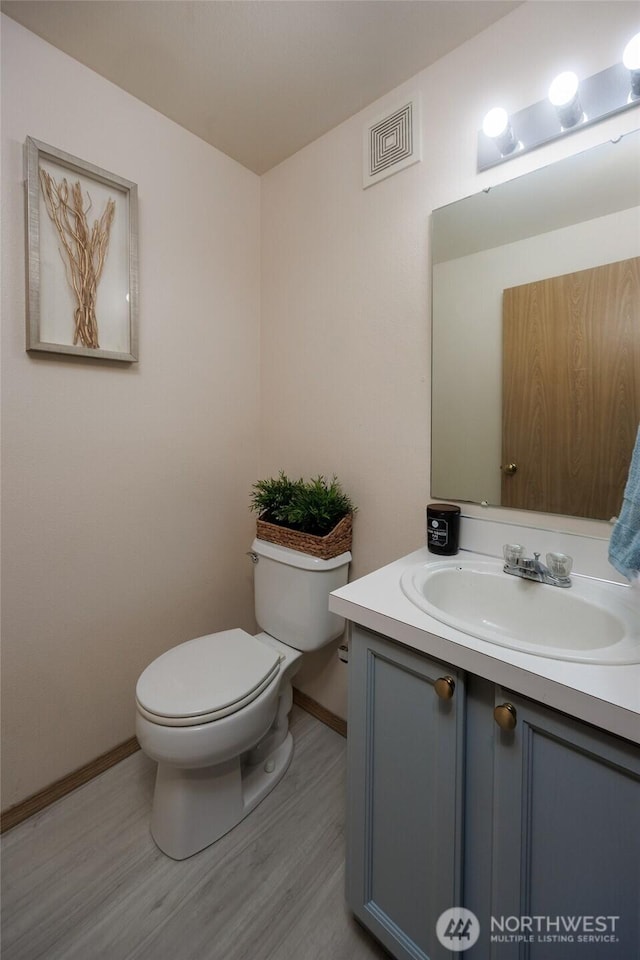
[404,795]
[566,839]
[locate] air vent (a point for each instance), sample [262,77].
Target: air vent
[391,143]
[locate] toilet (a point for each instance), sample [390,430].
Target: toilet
[214,711]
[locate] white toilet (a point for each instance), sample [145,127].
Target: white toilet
[214,711]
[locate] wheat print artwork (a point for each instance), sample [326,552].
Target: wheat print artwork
[83,249]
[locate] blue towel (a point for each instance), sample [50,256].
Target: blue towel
[624,546]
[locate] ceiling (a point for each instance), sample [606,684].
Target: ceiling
[258,79]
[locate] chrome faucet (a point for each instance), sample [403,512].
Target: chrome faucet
[555,572]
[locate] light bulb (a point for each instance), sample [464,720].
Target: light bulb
[631,60]
[495,122]
[563,89]
[563,94]
[497,127]
[631,55]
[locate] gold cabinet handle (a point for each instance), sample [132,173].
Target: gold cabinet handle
[445,687]
[505,716]
[509,468]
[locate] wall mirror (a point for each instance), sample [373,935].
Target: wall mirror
[536,337]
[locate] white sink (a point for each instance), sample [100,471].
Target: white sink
[591,621]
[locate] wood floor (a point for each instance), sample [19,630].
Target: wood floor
[83,880]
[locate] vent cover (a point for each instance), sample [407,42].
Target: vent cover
[391,143]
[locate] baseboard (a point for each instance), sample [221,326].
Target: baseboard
[55,791]
[321,713]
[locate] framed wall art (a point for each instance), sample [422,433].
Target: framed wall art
[82,257]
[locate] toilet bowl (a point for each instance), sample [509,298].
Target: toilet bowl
[213,711]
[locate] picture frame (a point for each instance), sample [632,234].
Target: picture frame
[82,257]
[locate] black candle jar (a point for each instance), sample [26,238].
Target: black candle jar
[443,528]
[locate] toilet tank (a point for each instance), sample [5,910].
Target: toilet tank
[292,595]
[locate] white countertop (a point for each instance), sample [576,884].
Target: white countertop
[606,696]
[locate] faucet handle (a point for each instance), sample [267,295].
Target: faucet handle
[559,564]
[512,553]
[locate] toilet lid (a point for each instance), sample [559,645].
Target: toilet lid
[206,678]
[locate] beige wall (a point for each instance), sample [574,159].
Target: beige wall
[125,488]
[345,276]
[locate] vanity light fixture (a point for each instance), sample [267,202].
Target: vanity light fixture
[572,104]
[631,60]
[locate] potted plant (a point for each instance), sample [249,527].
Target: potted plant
[312,516]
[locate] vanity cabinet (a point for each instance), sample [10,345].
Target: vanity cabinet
[537,826]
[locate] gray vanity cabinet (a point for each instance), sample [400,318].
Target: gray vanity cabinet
[405,752]
[447,808]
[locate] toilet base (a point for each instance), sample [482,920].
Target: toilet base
[192,808]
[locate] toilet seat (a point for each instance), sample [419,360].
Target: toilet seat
[206,678]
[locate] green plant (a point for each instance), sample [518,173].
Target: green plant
[311,506]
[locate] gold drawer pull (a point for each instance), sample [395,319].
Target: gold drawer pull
[445,687]
[505,716]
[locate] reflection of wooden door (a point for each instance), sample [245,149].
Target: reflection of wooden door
[571,390]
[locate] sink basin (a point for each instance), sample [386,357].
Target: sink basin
[590,622]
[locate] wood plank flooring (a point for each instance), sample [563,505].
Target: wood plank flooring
[83,879]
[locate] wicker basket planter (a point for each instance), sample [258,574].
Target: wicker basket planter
[334,543]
